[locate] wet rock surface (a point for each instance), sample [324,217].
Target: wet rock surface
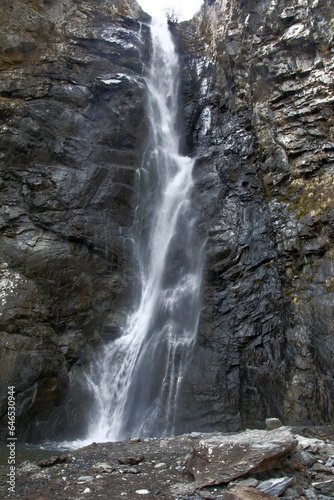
[258,102]
[98,471]
[72,127]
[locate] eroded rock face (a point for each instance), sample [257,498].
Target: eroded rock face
[258,103]
[258,100]
[72,100]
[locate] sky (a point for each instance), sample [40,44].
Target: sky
[156,8]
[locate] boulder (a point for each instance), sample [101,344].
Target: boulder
[221,459]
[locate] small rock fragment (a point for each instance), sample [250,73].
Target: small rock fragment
[100,467]
[247,494]
[310,494]
[275,486]
[302,457]
[142,492]
[135,460]
[273,423]
[49,462]
[130,470]
[28,467]
[318,467]
[310,445]
[161,465]
[248,482]
[183,488]
[326,486]
[85,479]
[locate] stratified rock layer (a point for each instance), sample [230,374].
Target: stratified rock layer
[220,459]
[72,101]
[258,101]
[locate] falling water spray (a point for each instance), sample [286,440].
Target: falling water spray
[137,380]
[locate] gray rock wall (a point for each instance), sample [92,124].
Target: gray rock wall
[258,100]
[72,101]
[258,103]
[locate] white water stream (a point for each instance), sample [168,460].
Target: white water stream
[138,379]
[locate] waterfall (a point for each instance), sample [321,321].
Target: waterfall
[137,381]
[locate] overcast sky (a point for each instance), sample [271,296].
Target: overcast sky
[156,8]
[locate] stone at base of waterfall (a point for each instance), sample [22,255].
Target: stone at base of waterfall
[222,458]
[249,482]
[102,467]
[247,493]
[131,460]
[326,486]
[310,445]
[64,459]
[273,423]
[183,488]
[276,486]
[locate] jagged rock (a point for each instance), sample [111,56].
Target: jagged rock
[273,423]
[258,107]
[131,460]
[326,486]
[248,482]
[64,459]
[303,457]
[311,445]
[244,493]
[102,467]
[311,494]
[182,489]
[330,462]
[130,470]
[276,486]
[222,459]
[27,466]
[318,467]
[85,479]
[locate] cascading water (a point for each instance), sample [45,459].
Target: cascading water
[138,379]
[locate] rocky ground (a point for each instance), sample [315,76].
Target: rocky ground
[290,463]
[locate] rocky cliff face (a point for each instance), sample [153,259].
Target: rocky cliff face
[258,100]
[72,127]
[258,103]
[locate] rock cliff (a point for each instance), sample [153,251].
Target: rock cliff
[72,101]
[258,101]
[258,98]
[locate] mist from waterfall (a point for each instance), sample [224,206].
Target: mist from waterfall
[137,380]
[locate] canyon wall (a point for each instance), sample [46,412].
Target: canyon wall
[72,99]
[258,94]
[258,100]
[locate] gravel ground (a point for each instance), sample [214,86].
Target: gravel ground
[148,469]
